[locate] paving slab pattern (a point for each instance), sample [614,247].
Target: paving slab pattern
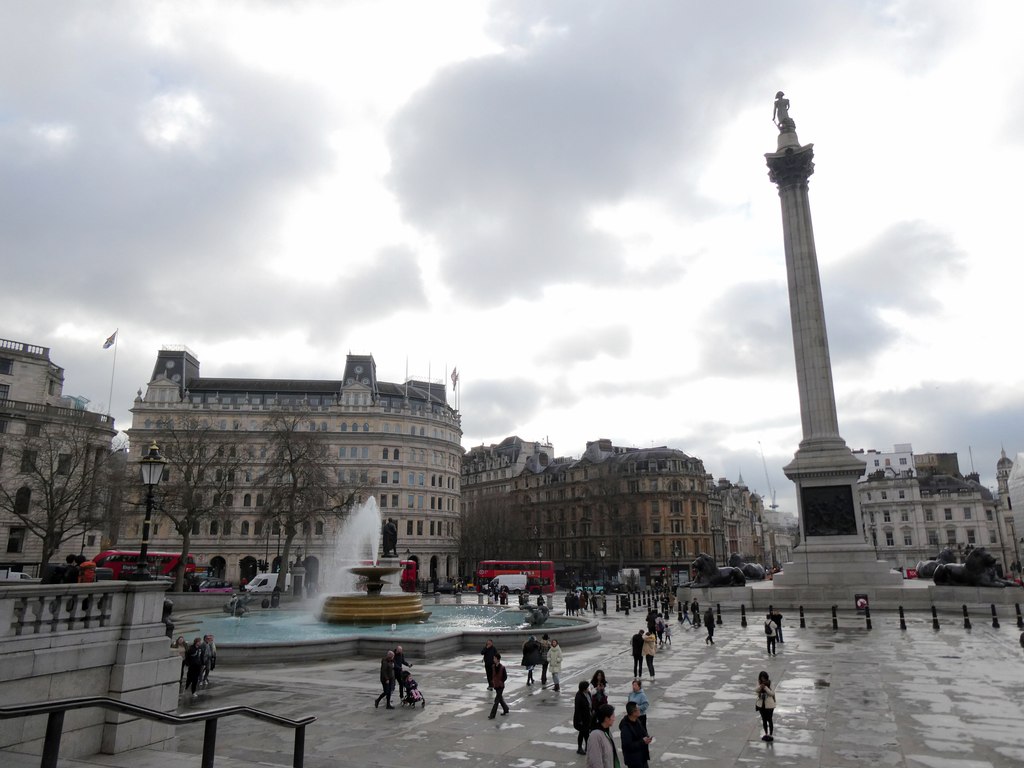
[852,697]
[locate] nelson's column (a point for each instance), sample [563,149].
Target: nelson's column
[832,550]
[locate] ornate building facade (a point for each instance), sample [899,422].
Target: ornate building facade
[397,442]
[51,452]
[910,512]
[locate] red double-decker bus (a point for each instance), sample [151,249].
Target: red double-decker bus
[160,563]
[540,574]
[407,580]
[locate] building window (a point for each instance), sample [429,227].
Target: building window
[886,516]
[907,539]
[384,477]
[991,537]
[395,477]
[15,540]
[259,528]
[214,527]
[419,527]
[929,516]
[967,513]
[245,527]
[951,537]
[6,367]
[888,539]
[948,513]
[904,516]
[431,526]
[64,464]
[988,515]
[903,461]
[394,500]
[885,494]
[247,500]
[319,528]
[903,494]
[971,538]
[28,461]
[933,538]
[383,501]
[195,527]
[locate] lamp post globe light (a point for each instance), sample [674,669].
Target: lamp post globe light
[675,565]
[602,550]
[152,471]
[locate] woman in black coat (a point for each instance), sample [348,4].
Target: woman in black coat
[582,717]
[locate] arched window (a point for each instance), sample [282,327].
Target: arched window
[275,528]
[344,427]
[247,500]
[245,527]
[396,454]
[229,500]
[384,453]
[214,527]
[355,427]
[227,527]
[305,527]
[259,499]
[366,427]
[195,528]
[319,527]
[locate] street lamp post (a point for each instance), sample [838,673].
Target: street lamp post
[152,471]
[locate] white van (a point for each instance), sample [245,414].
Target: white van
[514,582]
[7,574]
[264,583]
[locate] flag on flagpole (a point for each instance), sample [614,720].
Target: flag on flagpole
[455,377]
[110,340]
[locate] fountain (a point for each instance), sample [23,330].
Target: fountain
[378,605]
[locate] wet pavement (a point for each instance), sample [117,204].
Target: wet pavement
[882,697]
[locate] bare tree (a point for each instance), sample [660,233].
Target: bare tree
[301,482]
[203,467]
[55,493]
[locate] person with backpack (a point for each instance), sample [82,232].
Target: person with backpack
[195,663]
[498,678]
[769,632]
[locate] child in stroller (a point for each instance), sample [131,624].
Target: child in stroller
[412,691]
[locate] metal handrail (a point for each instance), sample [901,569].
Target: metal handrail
[56,709]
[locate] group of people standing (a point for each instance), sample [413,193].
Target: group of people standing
[197,661]
[593,717]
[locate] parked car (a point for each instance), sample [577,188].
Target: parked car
[215,585]
[446,588]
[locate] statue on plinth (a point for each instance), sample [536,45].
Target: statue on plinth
[710,575]
[780,113]
[389,532]
[978,570]
[753,571]
[926,568]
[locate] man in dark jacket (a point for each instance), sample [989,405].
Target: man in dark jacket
[399,663]
[637,643]
[634,739]
[387,678]
[489,652]
[498,678]
[582,718]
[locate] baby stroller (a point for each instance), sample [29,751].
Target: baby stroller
[412,692]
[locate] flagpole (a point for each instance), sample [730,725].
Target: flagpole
[113,367]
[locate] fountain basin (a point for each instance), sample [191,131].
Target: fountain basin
[287,636]
[373,609]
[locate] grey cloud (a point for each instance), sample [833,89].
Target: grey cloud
[588,344]
[501,158]
[493,409]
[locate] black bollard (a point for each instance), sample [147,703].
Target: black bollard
[803,624]
[1020,619]
[867,617]
[995,618]
[967,619]
[835,619]
[679,605]
[604,604]
[935,619]
[903,619]
[743,616]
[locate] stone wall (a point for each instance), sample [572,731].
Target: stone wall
[104,639]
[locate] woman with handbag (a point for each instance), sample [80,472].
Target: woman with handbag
[766,705]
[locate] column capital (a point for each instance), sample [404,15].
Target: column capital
[790,166]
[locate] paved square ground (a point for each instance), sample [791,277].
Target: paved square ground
[852,697]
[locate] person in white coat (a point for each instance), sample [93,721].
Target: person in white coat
[555,663]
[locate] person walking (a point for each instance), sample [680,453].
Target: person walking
[650,648]
[489,652]
[387,679]
[601,752]
[555,663]
[637,643]
[766,705]
[684,615]
[777,618]
[636,751]
[582,715]
[695,610]
[194,663]
[545,650]
[638,696]
[209,660]
[399,663]
[769,631]
[531,657]
[668,633]
[498,678]
[709,623]
[659,630]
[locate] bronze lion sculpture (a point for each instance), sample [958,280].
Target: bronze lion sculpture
[753,571]
[978,570]
[710,575]
[926,568]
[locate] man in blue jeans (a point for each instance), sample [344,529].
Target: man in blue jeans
[777,620]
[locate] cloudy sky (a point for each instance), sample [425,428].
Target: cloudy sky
[567,201]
